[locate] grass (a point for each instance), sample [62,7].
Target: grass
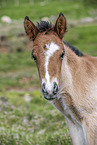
[30,123]
[20,68]
[38,10]
[84,37]
[26,118]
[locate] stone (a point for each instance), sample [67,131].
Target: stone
[6,19]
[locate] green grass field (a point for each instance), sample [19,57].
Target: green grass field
[26,118]
[74,9]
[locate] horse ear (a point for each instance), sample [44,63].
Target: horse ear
[60,25]
[30,28]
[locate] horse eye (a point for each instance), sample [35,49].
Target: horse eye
[44,46]
[33,56]
[62,55]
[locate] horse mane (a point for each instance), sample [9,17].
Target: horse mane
[74,49]
[44,26]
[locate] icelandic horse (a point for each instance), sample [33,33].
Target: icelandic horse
[69,78]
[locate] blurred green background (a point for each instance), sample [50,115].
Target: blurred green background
[26,118]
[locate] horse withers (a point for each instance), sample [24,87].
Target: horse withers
[69,78]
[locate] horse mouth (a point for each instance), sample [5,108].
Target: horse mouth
[50,98]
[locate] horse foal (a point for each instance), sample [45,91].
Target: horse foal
[69,78]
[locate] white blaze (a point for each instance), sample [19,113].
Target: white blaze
[51,49]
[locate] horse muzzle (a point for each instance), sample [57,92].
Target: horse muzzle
[50,94]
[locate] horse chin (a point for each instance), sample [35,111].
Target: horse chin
[50,98]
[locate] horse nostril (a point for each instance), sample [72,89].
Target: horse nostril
[43,88]
[44,91]
[55,90]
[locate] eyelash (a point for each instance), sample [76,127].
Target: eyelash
[33,56]
[62,55]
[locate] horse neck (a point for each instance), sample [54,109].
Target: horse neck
[78,73]
[69,67]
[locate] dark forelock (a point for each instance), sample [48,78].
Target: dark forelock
[44,26]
